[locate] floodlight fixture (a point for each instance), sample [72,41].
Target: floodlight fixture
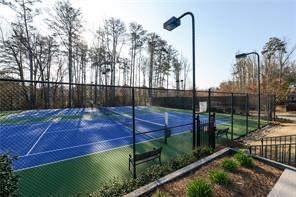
[172,23]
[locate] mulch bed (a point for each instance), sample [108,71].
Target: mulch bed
[257,181]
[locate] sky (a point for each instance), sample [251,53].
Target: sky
[223,27]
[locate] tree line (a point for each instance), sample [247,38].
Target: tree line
[119,54]
[277,71]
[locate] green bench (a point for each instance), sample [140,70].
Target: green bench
[222,131]
[145,157]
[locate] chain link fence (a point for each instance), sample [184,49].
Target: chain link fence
[70,138]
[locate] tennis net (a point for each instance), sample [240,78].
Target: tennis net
[142,126]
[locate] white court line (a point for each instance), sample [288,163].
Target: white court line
[75,129]
[90,144]
[137,118]
[72,147]
[97,152]
[50,124]
[38,140]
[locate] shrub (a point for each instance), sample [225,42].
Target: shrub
[150,174]
[160,193]
[8,180]
[244,160]
[156,171]
[111,188]
[202,152]
[219,177]
[199,188]
[180,161]
[229,165]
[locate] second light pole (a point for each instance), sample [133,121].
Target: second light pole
[243,55]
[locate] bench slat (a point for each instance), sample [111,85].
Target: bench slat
[146,159]
[147,154]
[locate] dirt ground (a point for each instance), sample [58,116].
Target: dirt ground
[287,115]
[257,181]
[270,131]
[287,126]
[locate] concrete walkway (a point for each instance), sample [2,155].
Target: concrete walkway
[285,186]
[287,115]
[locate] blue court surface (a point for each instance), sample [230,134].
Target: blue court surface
[40,137]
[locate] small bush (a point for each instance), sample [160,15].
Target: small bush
[229,165]
[160,193]
[150,174]
[199,188]
[244,160]
[185,159]
[202,152]
[8,179]
[119,188]
[219,177]
[180,161]
[111,188]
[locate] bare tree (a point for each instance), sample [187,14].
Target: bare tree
[23,30]
[177,67]
[152,39]
[115,32]
[137,39]
[186,69]
[66,22]
[12,60]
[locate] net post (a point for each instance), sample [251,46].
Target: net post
[165,136]
[166,129]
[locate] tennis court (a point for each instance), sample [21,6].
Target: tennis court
[40,137]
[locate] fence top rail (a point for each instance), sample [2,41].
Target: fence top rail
[282,136]
[260,145]
[127,87]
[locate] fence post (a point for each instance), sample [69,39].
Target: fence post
[48,95]
[134,132]
[197,122]
[209,105]
[261,147]
[247,114]
[232,116]
[268,109]
[289,157]
[274,107]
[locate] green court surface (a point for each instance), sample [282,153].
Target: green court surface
[85,174]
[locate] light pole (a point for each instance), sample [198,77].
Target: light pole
[243,55]
[169,25]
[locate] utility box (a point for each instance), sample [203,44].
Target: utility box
[291,102]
